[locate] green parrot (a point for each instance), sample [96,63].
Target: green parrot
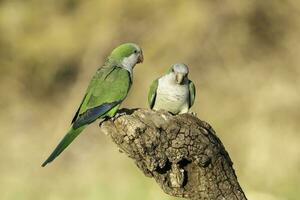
[106,91]
[173,92]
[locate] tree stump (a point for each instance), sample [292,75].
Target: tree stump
[181,152]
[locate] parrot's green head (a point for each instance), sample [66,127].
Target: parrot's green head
[127,55]
[180,72]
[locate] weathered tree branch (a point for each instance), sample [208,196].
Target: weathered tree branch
[182,153]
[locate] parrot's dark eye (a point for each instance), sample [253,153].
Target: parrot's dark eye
[135,51]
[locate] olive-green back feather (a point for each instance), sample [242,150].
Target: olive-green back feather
[192,91]
[152,93]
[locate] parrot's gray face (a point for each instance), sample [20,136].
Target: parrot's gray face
[135,57]
[180,72]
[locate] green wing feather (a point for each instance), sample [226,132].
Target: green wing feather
[192,91]
[152,93]
[106,91]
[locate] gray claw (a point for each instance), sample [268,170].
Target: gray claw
[118,115]
[193,113]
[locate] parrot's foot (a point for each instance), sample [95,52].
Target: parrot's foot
[112,118]
[119,114]
[193,113]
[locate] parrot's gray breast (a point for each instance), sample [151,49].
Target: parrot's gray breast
[171,96]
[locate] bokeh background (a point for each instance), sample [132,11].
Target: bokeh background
[243,57]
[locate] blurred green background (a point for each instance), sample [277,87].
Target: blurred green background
[243,57]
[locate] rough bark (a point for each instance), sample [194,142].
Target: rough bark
[182,153]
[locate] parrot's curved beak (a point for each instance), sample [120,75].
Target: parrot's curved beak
[140,58]
[179,78]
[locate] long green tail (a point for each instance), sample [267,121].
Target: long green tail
[64,143]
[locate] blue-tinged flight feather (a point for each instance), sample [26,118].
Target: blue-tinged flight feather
[92,114]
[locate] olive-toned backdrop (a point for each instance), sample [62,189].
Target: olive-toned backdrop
[243,57]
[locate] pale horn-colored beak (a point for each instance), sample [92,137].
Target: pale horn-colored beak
[179,78]
[140,58]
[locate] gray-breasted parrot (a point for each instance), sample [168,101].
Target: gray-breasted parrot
[173,92]
[106,91]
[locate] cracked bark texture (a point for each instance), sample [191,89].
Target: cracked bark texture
[182,153]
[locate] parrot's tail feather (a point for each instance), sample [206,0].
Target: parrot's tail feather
[79,124]
[64,143]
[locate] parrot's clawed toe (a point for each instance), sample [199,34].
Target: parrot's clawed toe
[193,113]
[119,114]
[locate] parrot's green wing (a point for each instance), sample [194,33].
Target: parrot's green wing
[106,91]
[101,74]
[152,93]
[192,91]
